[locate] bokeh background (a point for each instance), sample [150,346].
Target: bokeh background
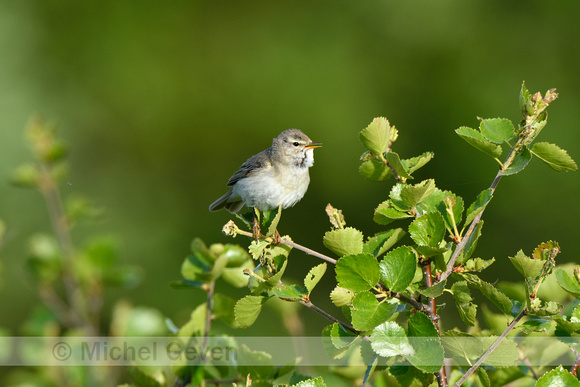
[161,102]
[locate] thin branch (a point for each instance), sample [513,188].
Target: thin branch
[441,374]
[495,344]
[208,315]
[308,251]
[469,234]
[328,316]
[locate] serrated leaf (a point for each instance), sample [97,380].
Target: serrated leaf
[414,163]
[478,141]
[519,163]
[525,98]
[385,213]
[570,327]
[358,272]
[434,291]
[554,156]
[367,313]
[558,377]
[463,300]
[428,229]
[477,264]
[407,196]
[482,200]
[341,296]
[314,276]
[377,135]
[290,292]
[527,266]
[316,382]
[398,267]
[272,221]
[327,343]
[395,162]
[375,170]
[429,354]
[383,241]
[471,244]
[344,241]
[247,310]
[335,216]
[483,377]
[266,277]
[495,295]
[340,337]
[568,283]
[497,130]
[389,339]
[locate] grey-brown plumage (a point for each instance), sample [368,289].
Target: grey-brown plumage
[277,176]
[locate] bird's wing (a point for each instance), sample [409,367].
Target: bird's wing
[255,163]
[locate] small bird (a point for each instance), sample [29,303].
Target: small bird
[275,177]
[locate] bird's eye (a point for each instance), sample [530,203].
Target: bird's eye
[295,143]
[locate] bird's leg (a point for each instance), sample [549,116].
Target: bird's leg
[256,228]
[277,238]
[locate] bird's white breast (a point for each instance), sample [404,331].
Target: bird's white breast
[270,188]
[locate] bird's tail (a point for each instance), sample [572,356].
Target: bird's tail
[232,206]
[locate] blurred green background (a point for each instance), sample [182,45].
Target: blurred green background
[161,102]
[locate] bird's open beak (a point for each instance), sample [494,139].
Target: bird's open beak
[313,145]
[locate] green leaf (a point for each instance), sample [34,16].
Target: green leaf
[495,295]
[273,223]
[478,141]
[375,170]
[357,272]
[317,382]
[367,313]
[344,241]
[247,310]
[267,276]
[407,196]
[383,241]
[505,354]
[223,308]
[478,205]
[568,283]
[341,296]
[477,264]
[556,157]
[464,302]
[290,292]
[328,344]
[389,339]
[385,213]
[235,276]
[314,276]
[428,229]
[143,379]
[519,163]
[558,377]
[434,291]
[340,337]
[462,347]
[527,266]
[256,363]
[411,376]
[429,354]
[395,162]
[497,130]
[414,163]
[377,135]
[525,101]
[398,267]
